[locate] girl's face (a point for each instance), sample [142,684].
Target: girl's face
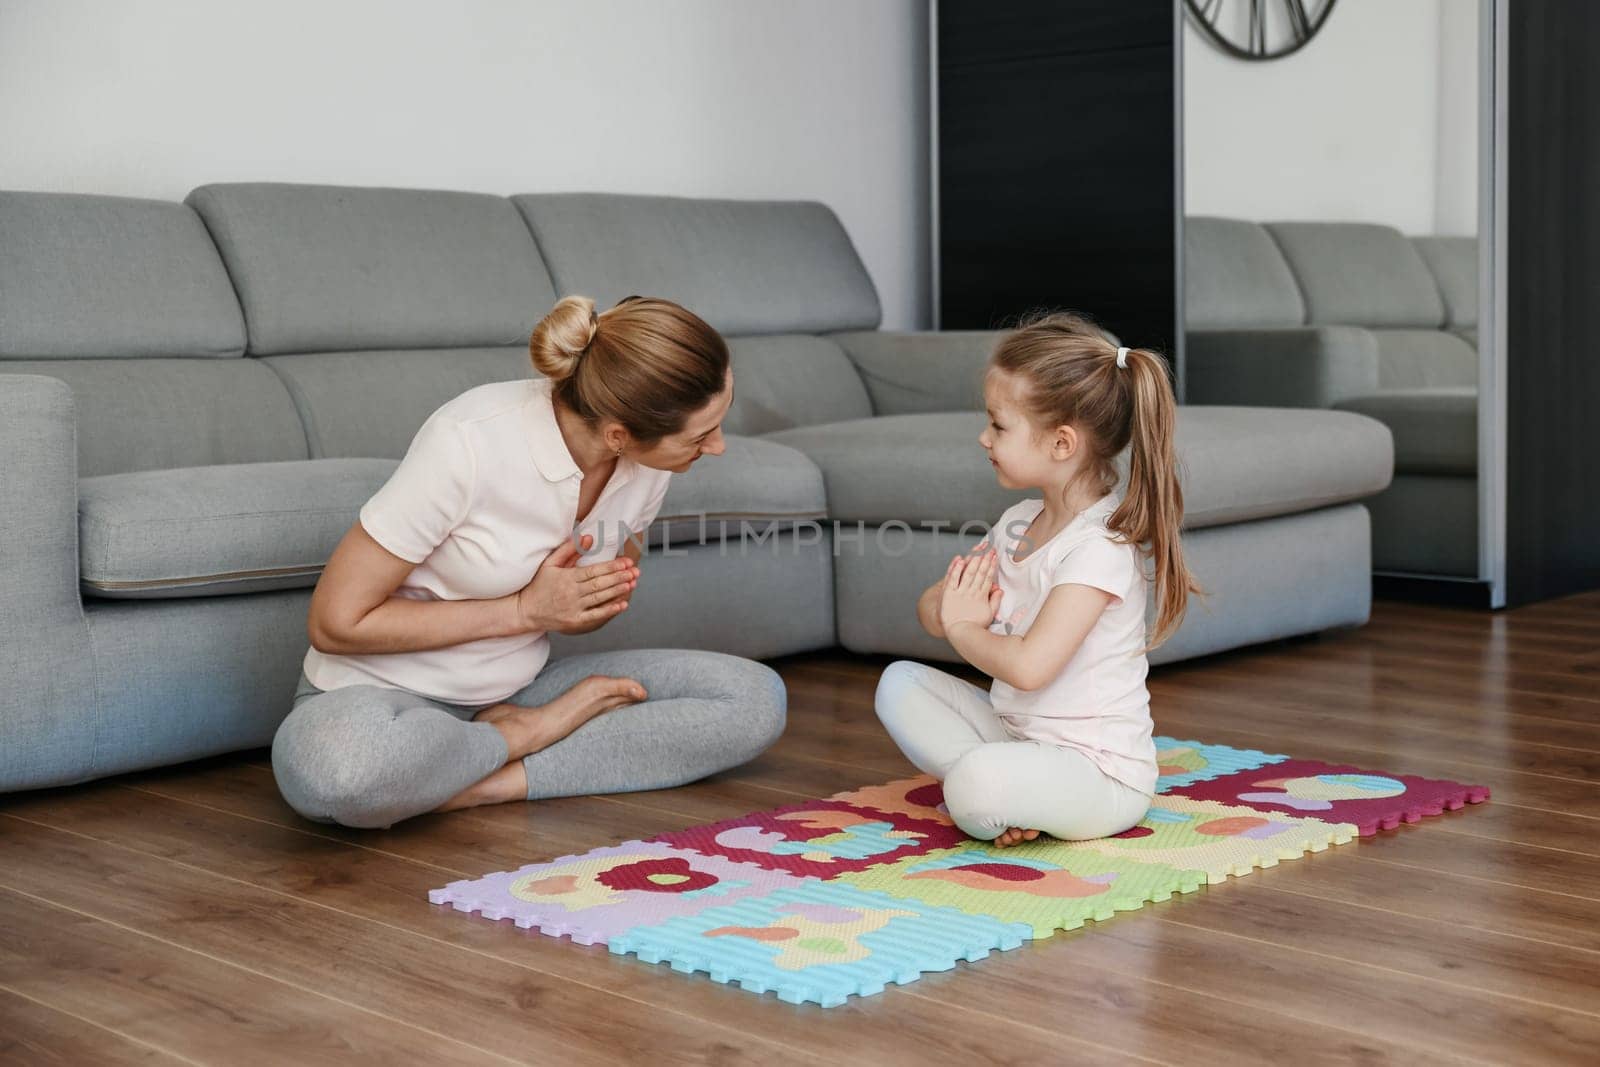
[701,436]
[1023,457]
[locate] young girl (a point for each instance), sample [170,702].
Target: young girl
[1052,605]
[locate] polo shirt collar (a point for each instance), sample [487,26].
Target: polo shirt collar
[549,449]
[545,443]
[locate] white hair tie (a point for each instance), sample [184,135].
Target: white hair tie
[1122,358]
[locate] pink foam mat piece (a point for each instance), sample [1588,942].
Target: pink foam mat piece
[1370,800]
[820,838]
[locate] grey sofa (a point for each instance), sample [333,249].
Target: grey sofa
[196,398]
[1360,318]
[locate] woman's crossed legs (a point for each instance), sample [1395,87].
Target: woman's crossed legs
[368,756]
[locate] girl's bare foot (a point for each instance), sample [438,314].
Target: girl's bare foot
[1015,835]
[527,730]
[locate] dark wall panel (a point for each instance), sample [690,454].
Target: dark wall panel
[1056,163]
[1553,300]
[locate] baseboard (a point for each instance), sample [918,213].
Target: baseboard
[1431,589]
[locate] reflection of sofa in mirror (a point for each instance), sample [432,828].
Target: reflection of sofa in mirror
[1357,317]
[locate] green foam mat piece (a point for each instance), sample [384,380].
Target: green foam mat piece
[1049,885]
[1219,840]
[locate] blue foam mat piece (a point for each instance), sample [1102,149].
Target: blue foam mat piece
[1219,760]
[820,943]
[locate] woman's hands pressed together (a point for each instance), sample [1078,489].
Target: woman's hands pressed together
[566,598]
[970,593]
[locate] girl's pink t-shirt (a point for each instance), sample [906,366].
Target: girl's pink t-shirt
[1098,704]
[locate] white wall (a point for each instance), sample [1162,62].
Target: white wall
[1375,121]
[823,100]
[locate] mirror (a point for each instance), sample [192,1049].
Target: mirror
[1331,187]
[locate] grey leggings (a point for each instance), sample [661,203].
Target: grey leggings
[368,756]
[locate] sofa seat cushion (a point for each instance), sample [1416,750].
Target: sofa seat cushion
[210,531]
[1435,430]
[757,480]
[1238,464]
[247,528]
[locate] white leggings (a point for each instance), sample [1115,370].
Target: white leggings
[992,781]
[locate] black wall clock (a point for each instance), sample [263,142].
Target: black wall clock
[1259,29]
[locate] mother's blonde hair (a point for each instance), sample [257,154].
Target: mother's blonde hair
[646,363]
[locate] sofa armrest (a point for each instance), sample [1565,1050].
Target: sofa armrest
[1296,367]
[48,714]
[912,371]
[39,485]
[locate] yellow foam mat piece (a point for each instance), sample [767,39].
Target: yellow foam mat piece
[1218,840]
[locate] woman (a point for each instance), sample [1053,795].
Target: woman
[426,686]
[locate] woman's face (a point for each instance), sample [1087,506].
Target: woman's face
[701,436]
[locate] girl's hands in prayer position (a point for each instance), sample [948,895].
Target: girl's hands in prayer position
[970,593]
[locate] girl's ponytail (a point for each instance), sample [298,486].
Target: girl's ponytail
[1151,512]
[1074,374]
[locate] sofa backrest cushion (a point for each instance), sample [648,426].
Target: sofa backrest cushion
[791,380]
[1235,277]
[110,277]
[371,404]
[907,372]
[151,414]
[1359,274]
[745,266]
[1416,359]
[1453,262]
[336,268]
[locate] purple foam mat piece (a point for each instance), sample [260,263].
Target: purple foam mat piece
[592,897]
[820,838]
[1336,793]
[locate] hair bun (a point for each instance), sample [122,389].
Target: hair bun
[561,337]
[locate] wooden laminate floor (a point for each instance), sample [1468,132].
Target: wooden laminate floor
[187,916]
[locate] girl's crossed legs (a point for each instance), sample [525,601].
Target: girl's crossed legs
[993,782]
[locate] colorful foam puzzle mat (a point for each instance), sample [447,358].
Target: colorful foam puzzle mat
[840,897]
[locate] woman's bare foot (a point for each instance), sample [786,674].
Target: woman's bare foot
[1015,835]
[527,730]
[508,783]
